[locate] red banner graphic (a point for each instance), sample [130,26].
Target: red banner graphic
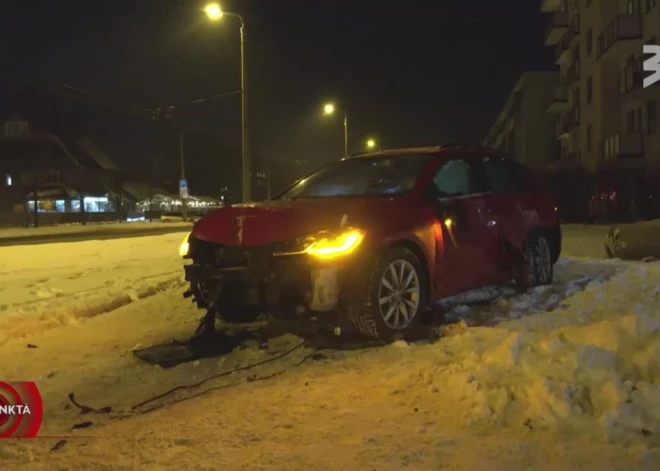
[21,410]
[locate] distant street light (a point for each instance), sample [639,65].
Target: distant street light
[371,144]
[214,12]
[330,109]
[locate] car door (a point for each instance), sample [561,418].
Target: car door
[509,206]
[466,254]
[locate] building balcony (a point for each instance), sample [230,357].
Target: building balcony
[621,146]
[573,29]
[573,73]
[623,28]
[562,53]
[548,6]
[557,28]
[567,123]
[631,81]
[558,100]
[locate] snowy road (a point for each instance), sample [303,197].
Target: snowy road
[564,377]
[77,233]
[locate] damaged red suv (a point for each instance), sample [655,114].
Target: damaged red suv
[375,239]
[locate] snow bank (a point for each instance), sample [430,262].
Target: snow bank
[47,285]
[10,233]
[592,362]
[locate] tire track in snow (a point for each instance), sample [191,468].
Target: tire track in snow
[98,287]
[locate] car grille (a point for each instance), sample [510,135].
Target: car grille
[204,252]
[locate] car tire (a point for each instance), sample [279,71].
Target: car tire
[166,220]
[398,274]
[537,268]
[555,243]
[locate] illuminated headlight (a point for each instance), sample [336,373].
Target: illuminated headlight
[335,246]
[185,246]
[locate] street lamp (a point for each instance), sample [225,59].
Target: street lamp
[371,144]
[215,13]
[330,109]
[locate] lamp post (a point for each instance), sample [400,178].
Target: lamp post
[182,165]
[215,13]
[330,109]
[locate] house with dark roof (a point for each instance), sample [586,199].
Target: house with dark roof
[47,167]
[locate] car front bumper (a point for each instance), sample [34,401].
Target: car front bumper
[291,281]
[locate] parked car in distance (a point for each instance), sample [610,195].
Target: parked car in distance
[376,238]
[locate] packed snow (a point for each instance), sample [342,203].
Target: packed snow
[561,377]
[49,285]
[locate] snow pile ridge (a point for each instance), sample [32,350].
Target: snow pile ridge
[593,365]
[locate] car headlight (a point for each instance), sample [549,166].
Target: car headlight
[335,246]
[185,246]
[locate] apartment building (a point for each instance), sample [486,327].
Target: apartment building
[522,128]
[606,122]
[526,131]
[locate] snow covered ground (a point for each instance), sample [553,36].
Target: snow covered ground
[63,229]
[562,377]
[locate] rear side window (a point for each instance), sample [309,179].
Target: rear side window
[526,179]
[505,176]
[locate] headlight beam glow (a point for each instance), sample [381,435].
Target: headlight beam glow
[185,246]
[338,246]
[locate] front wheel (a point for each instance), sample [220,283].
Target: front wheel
[537,268]
[398,293]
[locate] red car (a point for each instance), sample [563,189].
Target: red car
[375,239]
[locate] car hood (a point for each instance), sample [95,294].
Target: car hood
[281,220]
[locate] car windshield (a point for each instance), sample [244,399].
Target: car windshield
[361,176]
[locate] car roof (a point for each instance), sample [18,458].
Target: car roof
[422,151]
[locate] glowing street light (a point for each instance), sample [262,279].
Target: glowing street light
[371,144]
[215,13]
[330,109]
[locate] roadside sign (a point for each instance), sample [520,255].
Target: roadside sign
[183,189]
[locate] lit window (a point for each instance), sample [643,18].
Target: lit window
[8,180]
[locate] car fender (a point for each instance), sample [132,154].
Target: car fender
[423,241]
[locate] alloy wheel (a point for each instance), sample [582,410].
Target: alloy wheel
[398,294]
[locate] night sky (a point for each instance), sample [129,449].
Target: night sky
[409,72]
